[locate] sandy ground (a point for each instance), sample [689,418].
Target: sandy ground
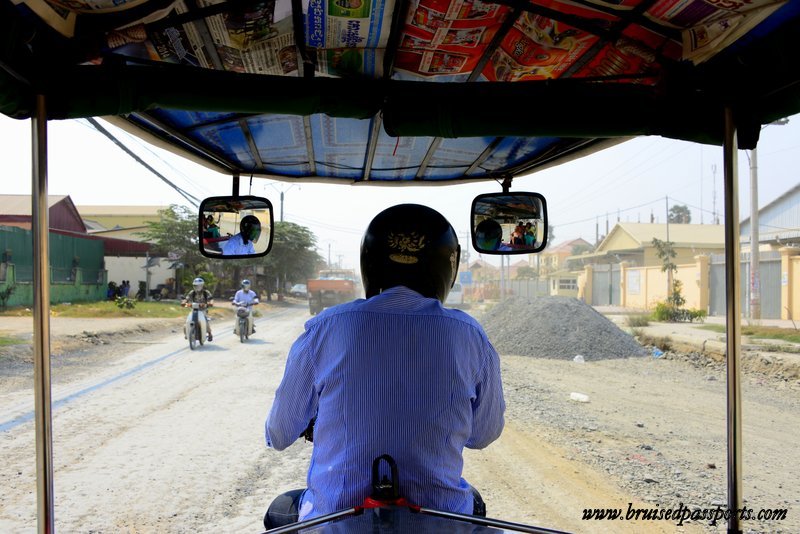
[162,439]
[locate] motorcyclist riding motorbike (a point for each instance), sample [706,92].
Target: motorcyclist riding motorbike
[394,374]
[246,298]
[204,298]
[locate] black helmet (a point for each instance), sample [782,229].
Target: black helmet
[413,246]
[250,227]
[488,234]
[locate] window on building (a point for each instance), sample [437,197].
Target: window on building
[568,283]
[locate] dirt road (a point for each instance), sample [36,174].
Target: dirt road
[161,439]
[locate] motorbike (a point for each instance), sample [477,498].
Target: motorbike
[385,510]
[195,327]
[244,322]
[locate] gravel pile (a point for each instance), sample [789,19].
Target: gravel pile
[556,327]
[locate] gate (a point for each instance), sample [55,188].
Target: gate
[606,285]
[769,267]
[528,288]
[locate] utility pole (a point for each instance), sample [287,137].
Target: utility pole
[596,231]
[701,184]
[755,277]
[669,246]
[715,219]
[282,191]
[755,283]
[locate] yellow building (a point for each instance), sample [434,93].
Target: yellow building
[128,222]
[554,258]
[625,270]
[122,222]
[633,243]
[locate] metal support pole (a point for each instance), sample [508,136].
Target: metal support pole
[733,298]
[41,322]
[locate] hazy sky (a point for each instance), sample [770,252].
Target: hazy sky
[629,182]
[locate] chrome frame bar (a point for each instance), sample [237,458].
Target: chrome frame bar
[309,523]
[41,322]
[734,323]
[489,522]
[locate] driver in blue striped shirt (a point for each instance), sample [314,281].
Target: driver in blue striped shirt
[395,373]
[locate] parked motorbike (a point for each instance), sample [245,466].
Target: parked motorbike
[195,327]
[244,327]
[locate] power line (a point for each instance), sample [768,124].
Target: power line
[131,139]
[192,199]
[594,217]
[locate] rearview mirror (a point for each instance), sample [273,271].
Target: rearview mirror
[509,223]
[235,227]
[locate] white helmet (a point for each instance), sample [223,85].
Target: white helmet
[246,284]
[198,284]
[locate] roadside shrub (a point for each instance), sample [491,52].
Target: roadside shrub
[5,294]
[664,313]
[697,315]
[668,313]
[637,321]
[125,303]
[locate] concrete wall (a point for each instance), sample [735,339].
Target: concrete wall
[643,287]
[790,283]
[130,268]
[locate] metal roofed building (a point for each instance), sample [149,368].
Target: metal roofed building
[778,221]
[129,222]
[125,222]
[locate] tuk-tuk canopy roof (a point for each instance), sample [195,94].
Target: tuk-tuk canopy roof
[402,91]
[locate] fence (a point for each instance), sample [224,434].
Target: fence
[78,285]
[769,267]
[76,271]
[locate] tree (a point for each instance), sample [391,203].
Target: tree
[680,214]
[293,256]
[526,273]
[175,234]
[666,253]
[580,248]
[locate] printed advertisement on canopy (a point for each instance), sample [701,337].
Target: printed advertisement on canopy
[447,37]
[350,36]
[254,38]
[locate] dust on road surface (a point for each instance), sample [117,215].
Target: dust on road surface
[161,439]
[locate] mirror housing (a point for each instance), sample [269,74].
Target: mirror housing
[235,227]
[509,223]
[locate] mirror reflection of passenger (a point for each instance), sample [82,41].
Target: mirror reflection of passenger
[518,235]
[210,228]
[489,236]
[242,243]
[530,234]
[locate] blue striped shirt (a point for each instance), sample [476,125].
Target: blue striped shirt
[395,374]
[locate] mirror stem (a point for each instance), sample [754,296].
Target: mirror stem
[235,192]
